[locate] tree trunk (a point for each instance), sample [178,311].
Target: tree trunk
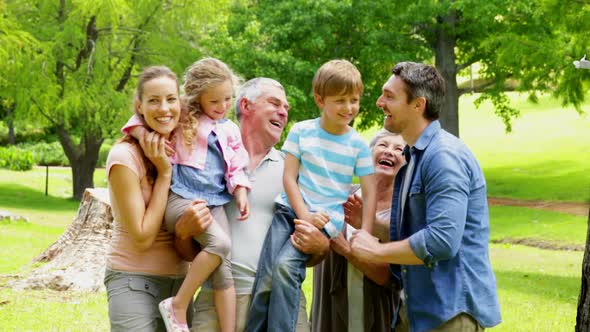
[444,48]
[83,158]
[77,259]
[10,124]
[583,316]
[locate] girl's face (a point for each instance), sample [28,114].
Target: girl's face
[160,105]
[217,100]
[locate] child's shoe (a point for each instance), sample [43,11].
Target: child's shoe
[172,324]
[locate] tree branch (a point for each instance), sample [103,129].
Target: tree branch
[70,149]
[45,115]
[464,65]
[136,40]
[482,86]
[91,37]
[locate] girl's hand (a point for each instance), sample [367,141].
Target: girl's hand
[353,209]
[154,148]
[241,195]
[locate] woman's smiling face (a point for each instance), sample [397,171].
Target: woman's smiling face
[160,105]
[387,155]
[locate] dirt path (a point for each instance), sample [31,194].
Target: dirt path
[575,208]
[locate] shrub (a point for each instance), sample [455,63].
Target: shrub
[51,154]
[104,153]
[28,134]
[16,159]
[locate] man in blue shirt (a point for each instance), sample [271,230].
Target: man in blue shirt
[439,222]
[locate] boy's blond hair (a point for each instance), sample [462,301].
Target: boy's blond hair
[337,77]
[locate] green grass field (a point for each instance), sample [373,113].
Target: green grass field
[546,157]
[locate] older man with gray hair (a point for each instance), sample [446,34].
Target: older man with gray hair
[261,108]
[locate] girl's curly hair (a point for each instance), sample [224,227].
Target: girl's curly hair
[199,77]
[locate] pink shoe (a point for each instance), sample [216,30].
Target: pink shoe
[172,324]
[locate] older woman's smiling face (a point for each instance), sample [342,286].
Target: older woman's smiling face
[387,155]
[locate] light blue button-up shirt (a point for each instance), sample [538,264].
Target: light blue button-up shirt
[447,223]
[209,183]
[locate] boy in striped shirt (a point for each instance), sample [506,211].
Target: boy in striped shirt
[321,157]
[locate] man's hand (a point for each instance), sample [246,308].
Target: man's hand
[365,246]
[194,221]
[308,239]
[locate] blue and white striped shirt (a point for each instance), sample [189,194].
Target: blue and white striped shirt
[327,166]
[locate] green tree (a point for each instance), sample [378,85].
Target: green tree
[289,40]
[526,46]
[89,55]
[523,45]
[16,49]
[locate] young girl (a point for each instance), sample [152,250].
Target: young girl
[209,164]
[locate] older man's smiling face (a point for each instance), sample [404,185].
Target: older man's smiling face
[269,112]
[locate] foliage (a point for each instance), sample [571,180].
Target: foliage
[530,42]
[50,154]
[289,40]
[104,153]
[87,58]
[27,134]
[16,159]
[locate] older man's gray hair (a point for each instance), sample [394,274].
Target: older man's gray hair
[252,89]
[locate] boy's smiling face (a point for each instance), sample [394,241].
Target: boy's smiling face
[338,111]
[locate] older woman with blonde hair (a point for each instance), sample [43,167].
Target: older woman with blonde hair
[351,295]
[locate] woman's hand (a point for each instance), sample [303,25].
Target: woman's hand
[154,148]
[353,209]
[194,221]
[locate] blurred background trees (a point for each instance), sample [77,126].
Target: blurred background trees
[69,67]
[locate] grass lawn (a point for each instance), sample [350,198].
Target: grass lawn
[518,222]
[546,157]
[538,289]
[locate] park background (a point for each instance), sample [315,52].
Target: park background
[68,68]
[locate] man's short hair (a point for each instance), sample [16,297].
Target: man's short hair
[337,77]
[252,89]
[423,81]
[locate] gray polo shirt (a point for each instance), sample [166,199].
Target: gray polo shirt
[247,237]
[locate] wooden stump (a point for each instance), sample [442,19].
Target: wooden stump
[76,261]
